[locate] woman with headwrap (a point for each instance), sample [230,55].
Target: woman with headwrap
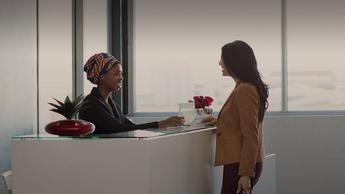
[105,71]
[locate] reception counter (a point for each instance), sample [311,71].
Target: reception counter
[154,161]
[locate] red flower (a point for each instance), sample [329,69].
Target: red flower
[198,102]
[208,101]
[201,101]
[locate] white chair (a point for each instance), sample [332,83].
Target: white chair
[7,177]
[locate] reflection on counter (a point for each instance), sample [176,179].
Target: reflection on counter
[147,133]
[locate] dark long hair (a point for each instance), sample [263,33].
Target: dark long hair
[239,60]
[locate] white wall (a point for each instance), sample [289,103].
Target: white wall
[55,56]
[18,74]
[310,152]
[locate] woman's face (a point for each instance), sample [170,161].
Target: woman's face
[224,71]
[112,80]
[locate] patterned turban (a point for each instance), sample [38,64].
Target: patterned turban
[98,65]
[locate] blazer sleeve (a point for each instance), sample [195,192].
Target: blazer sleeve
[141,126]
[106,123]
[248,106]
[128,121]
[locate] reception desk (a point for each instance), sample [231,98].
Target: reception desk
[177,160]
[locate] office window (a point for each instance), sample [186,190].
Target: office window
[177,47]
[316,46]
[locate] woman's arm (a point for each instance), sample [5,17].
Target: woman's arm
[248,106]
[141,126]
[210,120]
[106,123]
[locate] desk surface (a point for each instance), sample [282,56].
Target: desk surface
[137,134]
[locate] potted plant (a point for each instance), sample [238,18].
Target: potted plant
[69,126]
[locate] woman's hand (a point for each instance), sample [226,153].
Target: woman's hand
[209,120]
[244,184]
[171,122]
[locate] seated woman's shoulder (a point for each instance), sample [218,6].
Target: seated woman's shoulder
[90,101]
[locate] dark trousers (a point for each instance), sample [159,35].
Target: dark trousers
[231,177]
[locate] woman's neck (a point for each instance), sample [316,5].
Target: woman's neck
[104,93]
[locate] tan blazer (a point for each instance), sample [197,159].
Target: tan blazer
[239,134]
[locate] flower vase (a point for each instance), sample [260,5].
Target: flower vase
[202,113]
[208,111]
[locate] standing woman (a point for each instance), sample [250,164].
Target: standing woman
[239,130]
[98,107]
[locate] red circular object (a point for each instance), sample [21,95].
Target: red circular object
[70,127]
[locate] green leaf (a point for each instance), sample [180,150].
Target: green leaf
[54,105]
[78,100]
[61,103]
[67,100]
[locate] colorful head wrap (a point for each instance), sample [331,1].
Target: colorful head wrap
[98,65]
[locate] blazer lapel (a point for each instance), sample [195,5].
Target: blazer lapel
[114,109]
[95,93]
[227,100]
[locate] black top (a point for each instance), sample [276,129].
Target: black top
[107,119]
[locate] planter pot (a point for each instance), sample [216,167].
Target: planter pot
[70,127]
